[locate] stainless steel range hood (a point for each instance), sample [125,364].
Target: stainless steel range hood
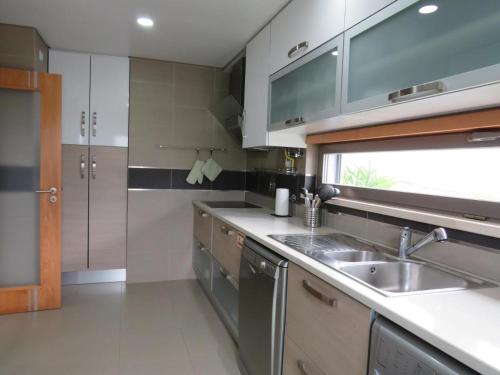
[229,110]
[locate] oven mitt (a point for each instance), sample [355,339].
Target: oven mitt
[196,174]
[211,169]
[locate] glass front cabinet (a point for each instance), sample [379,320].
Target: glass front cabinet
[414,49]
[308,89]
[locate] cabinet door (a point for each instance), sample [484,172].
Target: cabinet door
[107,207]
[202,228]
[358,10]
[202,265]
[257,90]
[302,26]
[225,248]
[309,89]
[75,202]
[109,101]
[408,51]
[75,70]
[226,297]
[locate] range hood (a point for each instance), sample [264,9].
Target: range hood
[229,110]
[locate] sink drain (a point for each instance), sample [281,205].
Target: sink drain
[373,269]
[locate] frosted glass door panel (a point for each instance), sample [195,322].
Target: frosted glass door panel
[408,44]
[19,179]
[308,89]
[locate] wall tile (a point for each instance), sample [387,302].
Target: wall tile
[193,75]
[154,71]
[150,103]
[147,178]
[179,181]
[229,180]
[192,128]
[192,96]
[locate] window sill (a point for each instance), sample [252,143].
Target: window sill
[485,228]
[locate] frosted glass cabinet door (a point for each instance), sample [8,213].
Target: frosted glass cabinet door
[109,101]
[307,90]
[454,44]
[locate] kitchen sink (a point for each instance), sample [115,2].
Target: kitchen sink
[396,278]
[332,258]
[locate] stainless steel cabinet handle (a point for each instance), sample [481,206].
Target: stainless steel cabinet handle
[416,91]
[52,190]
[94,124]
[253,270]
[223,273]
[317,294]
[82,166]
[94,166]
[243,124]
[227,232]
[299,48]
[202,213]
[295,121]
[302,367]
[83,120]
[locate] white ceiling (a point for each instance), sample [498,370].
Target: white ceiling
[208,32]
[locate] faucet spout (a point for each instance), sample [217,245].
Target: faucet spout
[405,248]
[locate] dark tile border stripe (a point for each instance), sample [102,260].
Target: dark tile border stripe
[454,234]
[156,178]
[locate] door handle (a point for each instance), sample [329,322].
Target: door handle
[82,124]
[94,124]
[253,270]
[94,166]
[295,50]
[295,121]
[52,191]
[317,294]
[416,91]
[82,166]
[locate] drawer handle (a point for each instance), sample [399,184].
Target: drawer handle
[202,213]
[298,49]
[317,294]
[227,232]
[295,121]
[416,91]
[83,164]
[223,273]
[82,123]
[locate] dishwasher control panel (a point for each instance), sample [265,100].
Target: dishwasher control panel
[395,351]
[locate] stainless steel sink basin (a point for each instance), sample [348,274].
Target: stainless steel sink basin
[396,278]
[337,257]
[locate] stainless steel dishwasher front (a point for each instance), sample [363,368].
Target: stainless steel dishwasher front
[262,283]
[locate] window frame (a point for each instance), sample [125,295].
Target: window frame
[460,206]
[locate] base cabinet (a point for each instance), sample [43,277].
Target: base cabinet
[202,266]
[94,207]
[226,297]
[336,340]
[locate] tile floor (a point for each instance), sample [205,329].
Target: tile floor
[156,328]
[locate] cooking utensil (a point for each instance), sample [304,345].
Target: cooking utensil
[327,192]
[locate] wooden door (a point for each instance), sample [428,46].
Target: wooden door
[30,160]
[75,207]
[107,207]
[109,101]
[75,68]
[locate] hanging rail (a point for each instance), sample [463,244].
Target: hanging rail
[211,149]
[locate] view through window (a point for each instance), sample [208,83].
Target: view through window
[468,173]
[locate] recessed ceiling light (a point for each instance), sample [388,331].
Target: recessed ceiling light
[335,52]
[428,9]
[145,21]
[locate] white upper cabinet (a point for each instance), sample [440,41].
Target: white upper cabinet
[256,90]
[95,91]
[301,27]
[109,101]
[75,69]
[255,133]
[358,10]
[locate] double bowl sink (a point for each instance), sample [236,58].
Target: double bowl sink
[373,266]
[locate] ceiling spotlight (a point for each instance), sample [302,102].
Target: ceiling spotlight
[428,9]
[145,21]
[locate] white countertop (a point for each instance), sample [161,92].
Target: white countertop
[463,324]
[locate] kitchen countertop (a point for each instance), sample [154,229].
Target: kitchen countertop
[464,324]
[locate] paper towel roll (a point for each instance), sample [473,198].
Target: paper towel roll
[281,206]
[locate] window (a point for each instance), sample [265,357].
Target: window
[459,173]
[441,173]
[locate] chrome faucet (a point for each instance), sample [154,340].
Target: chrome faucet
[405,246]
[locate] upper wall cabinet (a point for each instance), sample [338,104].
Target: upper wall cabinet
[308,89]
[95,98]
[255,132]
[301,27]
[414,49]
[358,10]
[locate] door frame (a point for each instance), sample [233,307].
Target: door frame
[47,294]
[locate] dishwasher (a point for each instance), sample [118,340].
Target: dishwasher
[395,351]
[262,299]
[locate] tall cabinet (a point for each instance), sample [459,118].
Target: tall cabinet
[95,140]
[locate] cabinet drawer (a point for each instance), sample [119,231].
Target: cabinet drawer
[203,227]
[226,297]
[296,362]
[202,265]
[301,27]
[225,248]
[330,327]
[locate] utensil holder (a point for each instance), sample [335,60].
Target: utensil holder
[312,217]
